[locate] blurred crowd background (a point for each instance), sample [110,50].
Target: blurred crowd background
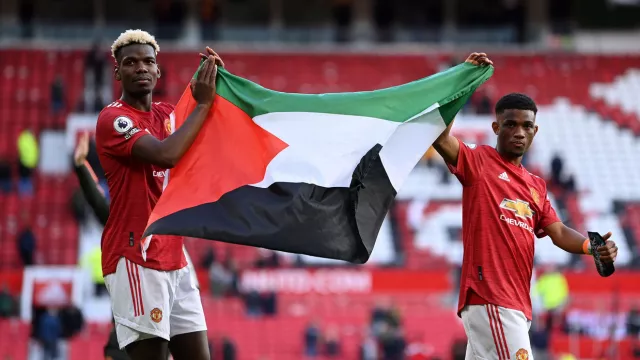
[579,60]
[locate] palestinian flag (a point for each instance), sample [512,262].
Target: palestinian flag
[308,174]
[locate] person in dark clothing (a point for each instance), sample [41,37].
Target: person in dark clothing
[556,169]
[253,303]
[269,303]
[94,64]
[311,340]
[7,303]
[57,96]
[71,320]
[49,332]
[392,343]
[228,349]
[332,348]
[5,175]
[26,245]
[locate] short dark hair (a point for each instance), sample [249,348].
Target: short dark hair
[516,101]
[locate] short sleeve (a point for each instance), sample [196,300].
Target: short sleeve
[116,133]
[469,165]
[547,217]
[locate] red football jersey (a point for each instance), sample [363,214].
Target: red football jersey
[503,208]
[134,188]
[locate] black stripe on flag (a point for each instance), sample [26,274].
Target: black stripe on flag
[334,223]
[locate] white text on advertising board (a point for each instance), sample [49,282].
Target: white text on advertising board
[304,281]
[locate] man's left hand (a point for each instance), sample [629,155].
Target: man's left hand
[609,252]
[217,57]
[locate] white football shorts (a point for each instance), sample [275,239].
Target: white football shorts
[148,303]
[494,332]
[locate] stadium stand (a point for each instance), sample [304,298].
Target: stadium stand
[589,114]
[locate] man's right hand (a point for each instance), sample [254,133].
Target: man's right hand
[203,87]
[479,59]
[82,149]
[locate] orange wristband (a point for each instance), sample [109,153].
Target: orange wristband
[586,247]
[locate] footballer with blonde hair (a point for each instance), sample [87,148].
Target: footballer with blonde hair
[155,302]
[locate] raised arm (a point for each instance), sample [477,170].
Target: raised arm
[88,181]
[447,145]
[168,152]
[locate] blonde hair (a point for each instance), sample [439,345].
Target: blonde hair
[134,37]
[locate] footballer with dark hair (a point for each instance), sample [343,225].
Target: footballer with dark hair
[504,208]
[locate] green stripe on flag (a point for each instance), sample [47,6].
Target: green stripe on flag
[451,89]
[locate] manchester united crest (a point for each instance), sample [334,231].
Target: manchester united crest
[167,126]
[536,197]
[522,354]
[156,315]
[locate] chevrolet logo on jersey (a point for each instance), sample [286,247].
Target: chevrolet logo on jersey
[519,207]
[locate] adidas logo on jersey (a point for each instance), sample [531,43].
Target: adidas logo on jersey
[504,176]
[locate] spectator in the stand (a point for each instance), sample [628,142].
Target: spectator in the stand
[312,339]
[369,348]
[556,169]
[7,303]
[208,258]
[5,174]
[232,267]
[98,103]
[540,335]
[26,9]
[384,314]
[332,346]
[379,316]
[220,279]
[71,323]
[384,14]
[49,332]
[28,154]
[342,15]
[482,103]
[95,65]
[92,263]
[633,329]
[253,303]
[269,303]
[553,290]
[26,241]
[633,321]
[228,349]
[57,96]
[459,349]
[392,342]
[570,183]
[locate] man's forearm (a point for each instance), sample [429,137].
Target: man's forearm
[570,240]
[447,146]
[179,142]
[90,189]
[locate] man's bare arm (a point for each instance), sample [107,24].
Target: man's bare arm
[168,152]
[447,145]
[573,242]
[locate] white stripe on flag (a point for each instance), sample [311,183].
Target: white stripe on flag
[409,143]
[324,149]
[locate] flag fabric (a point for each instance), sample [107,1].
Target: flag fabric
[311,174]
